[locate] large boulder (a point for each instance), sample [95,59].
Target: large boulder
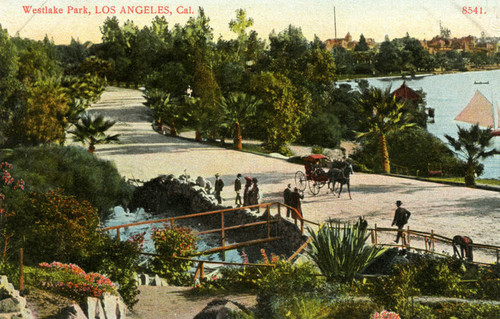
[220,309]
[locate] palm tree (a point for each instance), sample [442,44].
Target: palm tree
[381,114]
[471,145]
[236,109]
[92,130]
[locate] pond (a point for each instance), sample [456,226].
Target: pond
[121,217]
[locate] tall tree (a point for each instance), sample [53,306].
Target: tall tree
[471,145]
[381,113]
[362,45]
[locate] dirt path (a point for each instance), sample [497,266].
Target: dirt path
[173,303]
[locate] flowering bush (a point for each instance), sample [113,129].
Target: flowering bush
[173,242]
[70,280]
[384,314]
[59,227]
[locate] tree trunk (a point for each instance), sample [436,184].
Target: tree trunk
[469,175]
[173,131]
[198,136]
[239,145]
[385,154]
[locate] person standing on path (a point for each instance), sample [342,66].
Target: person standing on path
[219,185]
[401,216]
[237,189]
[295,201]
[287,197]
[248,185]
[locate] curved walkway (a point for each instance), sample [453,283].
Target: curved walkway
[144,154]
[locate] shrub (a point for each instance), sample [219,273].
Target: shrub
[58,227]
[75,171]
[393,292]
[466,311]
[173,242]
[439,276]
[118,260]
[340,251]
[69,280]
[351,309]
[282,284]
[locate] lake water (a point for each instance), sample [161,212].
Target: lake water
[448,94]
[121,217]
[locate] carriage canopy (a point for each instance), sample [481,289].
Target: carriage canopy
[314,157]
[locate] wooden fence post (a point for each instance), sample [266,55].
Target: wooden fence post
[118,234]
[376,235]
[223,233]
[21,270]
[408,240]
[268,211]
[432,240]
[498,256]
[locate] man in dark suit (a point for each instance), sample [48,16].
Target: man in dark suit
[401,216]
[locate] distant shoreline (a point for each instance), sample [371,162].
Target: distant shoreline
[416,76]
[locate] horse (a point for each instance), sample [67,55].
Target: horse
[342,176]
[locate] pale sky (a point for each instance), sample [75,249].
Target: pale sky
[373,18]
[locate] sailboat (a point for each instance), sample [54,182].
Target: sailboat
[481,111]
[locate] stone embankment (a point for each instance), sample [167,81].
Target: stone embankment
[12,304]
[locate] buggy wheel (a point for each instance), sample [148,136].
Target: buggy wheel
[300,180]
[314,187]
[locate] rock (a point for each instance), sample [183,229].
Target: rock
[157,281]
[220,309]
[9,305]
[144,279]
[71,312]
[110,306]
[93,309]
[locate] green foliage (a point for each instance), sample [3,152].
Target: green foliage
[414,148]
[91,130]
[488,284]
[167,110]
[466,311]
[316,149]
[340,251]
[57,227]
[381,113]
[439,276]
[118,260]
[393,292]
[322,129]
[284,110]
[42,119]
[173,242]
[284,284]
[73,170]
[352,309]
[472,145]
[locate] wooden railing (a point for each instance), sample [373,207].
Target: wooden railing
[223,228]
[429,239]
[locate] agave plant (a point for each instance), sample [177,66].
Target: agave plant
[340,250]
[92,131]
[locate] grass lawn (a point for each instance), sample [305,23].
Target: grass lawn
[494,182]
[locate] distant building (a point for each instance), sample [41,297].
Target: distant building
[346,42]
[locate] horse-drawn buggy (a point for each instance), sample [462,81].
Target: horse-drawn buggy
[315,177]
